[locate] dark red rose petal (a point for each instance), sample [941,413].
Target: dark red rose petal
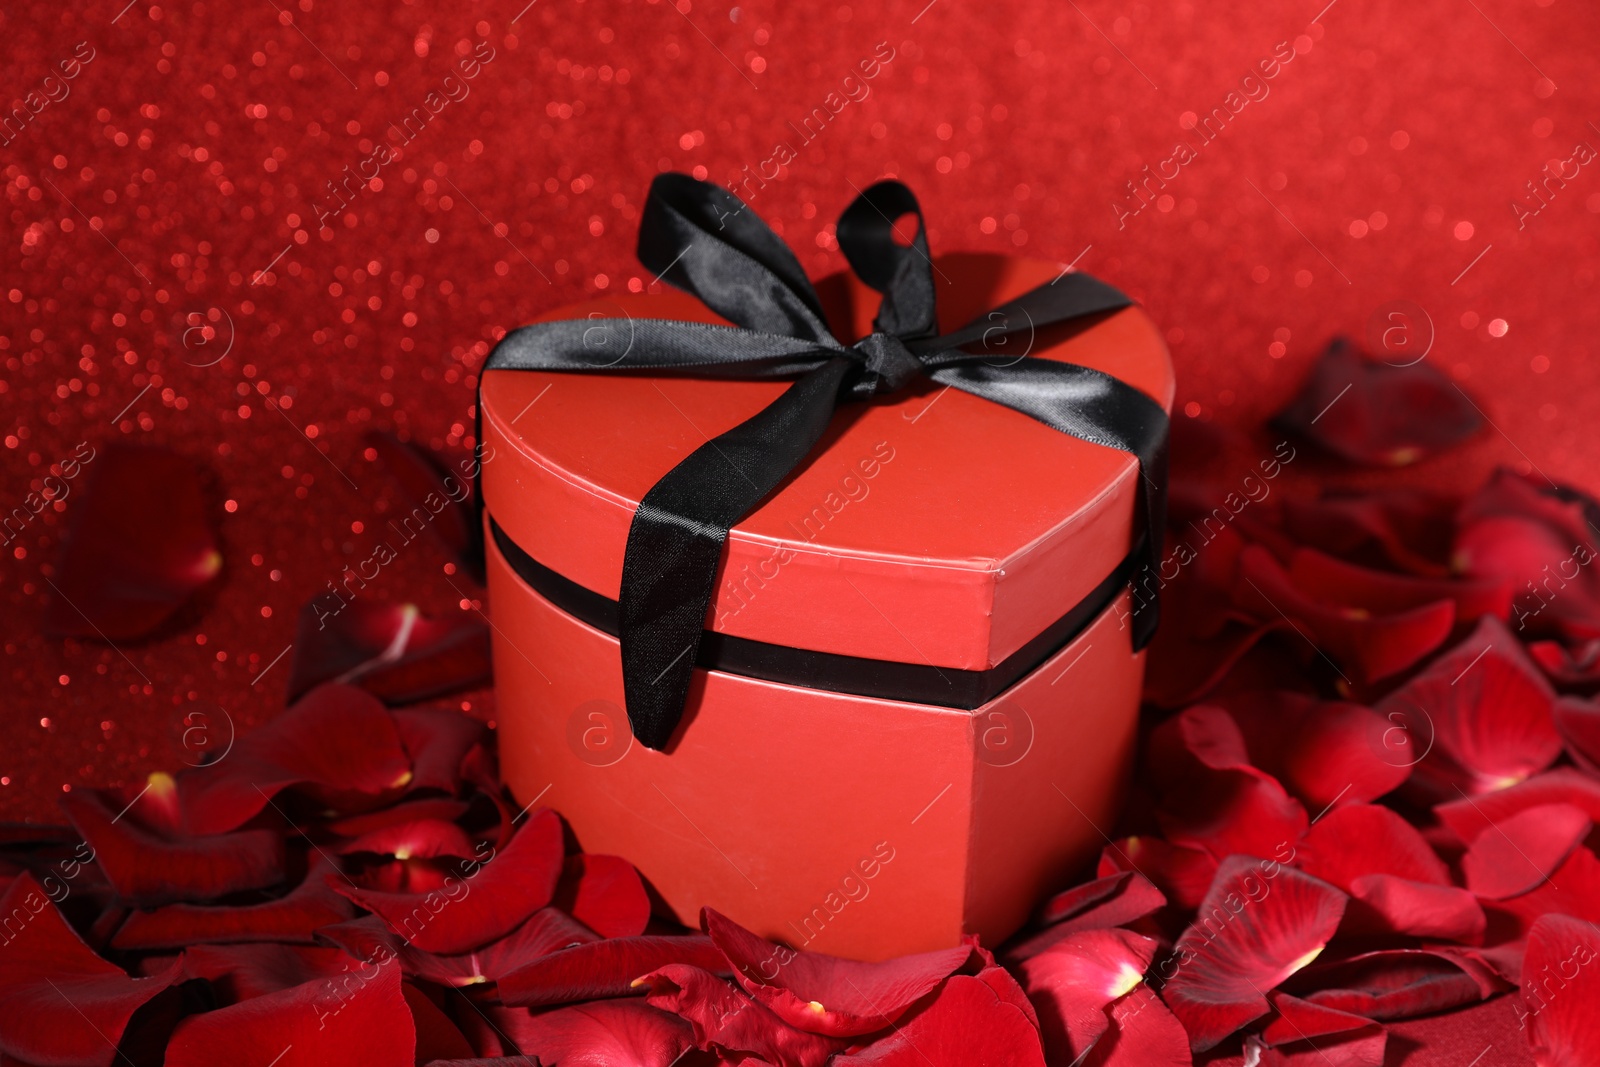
[606,894]
[1571,670]
[436,742]
[1115,900]
[1540,539]
[1072,983]
[1365,635]
[1211,797]
[1303,1034]
[243,972]
[966,1023]
[1520,852]
[547,931]
[1260,923]
[605,968]
[293,918]
[145,869]
[1144,1033]
[1399,529]
[435,497]
[825,994]
[61,1004]
[1561,992]
[140,544]
[392,651]
[1324,578]
[361,1019]
[437,1037]
[1363,839]
[1384,904]
[337,745]
[1578,722]
[1183,875]
[728,1021]
[1378,414]
[423,839]
[1486,709]
[447,809]
[1397,983]
[605,1033]
[504,889]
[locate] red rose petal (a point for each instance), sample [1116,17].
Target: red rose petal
[1572,889]
[437,1037]
[62,1004]
[392,651]
[1486,709]
[730,1022]
[966,1023]
[1397,983]
[1575,670]
[1323,577]
[1378,414]
[437,497]
[292,918]
[436,742]
[825,994]
[447,809]
[1384,904]
[606,894]
[360,1020]
[1578,722]
[1183,875]
[1561,992]
[146,869]
[1303,1034]
[423,839]
[1144,1033]
[338,745]
[140,544]
[1115,900]
[1325,752]
[1260,923]
[1364,634]
[1073,982]
[1400,529]
[547,931]
[243,972]
[1518,853]
[605,968]
[1363,839]
[606,1033]
[505,889]
[1539,538]
[1212,798]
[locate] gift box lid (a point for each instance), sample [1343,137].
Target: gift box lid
[930,527]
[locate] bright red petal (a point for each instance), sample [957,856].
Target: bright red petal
[293,918]
[966,1024]
[1521,852]
[1144,1033]
[146,869]
[1303,1034]
[141,543]
[1183,875]
[1561,992]
[1378,414]
[728,1021]
[1470,816]
[1486,709]
[61,1004]
[605,968]
[1115,900]
[1260,923]
[606,894]
[1367,839]
[547,931]
[392,651]
[359,1019]
[1325,752]
[605,1033]
[505,888]
[825,994]
[1073,983]
[1578,722]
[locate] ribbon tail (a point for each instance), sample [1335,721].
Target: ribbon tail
[675,543]
[1096,407]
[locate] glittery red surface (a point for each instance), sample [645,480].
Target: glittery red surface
[179,178]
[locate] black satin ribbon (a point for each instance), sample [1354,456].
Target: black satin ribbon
[704,240]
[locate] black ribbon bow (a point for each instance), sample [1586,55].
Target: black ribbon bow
[703,239]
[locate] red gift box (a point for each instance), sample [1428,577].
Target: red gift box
[941,588]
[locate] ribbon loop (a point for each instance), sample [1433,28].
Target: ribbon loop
[703,239]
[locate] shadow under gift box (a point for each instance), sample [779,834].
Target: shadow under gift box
[931,528]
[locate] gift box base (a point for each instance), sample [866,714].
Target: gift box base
[843,824]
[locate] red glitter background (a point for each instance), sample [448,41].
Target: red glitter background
[182,177]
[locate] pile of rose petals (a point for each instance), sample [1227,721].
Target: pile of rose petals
[1369,796]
